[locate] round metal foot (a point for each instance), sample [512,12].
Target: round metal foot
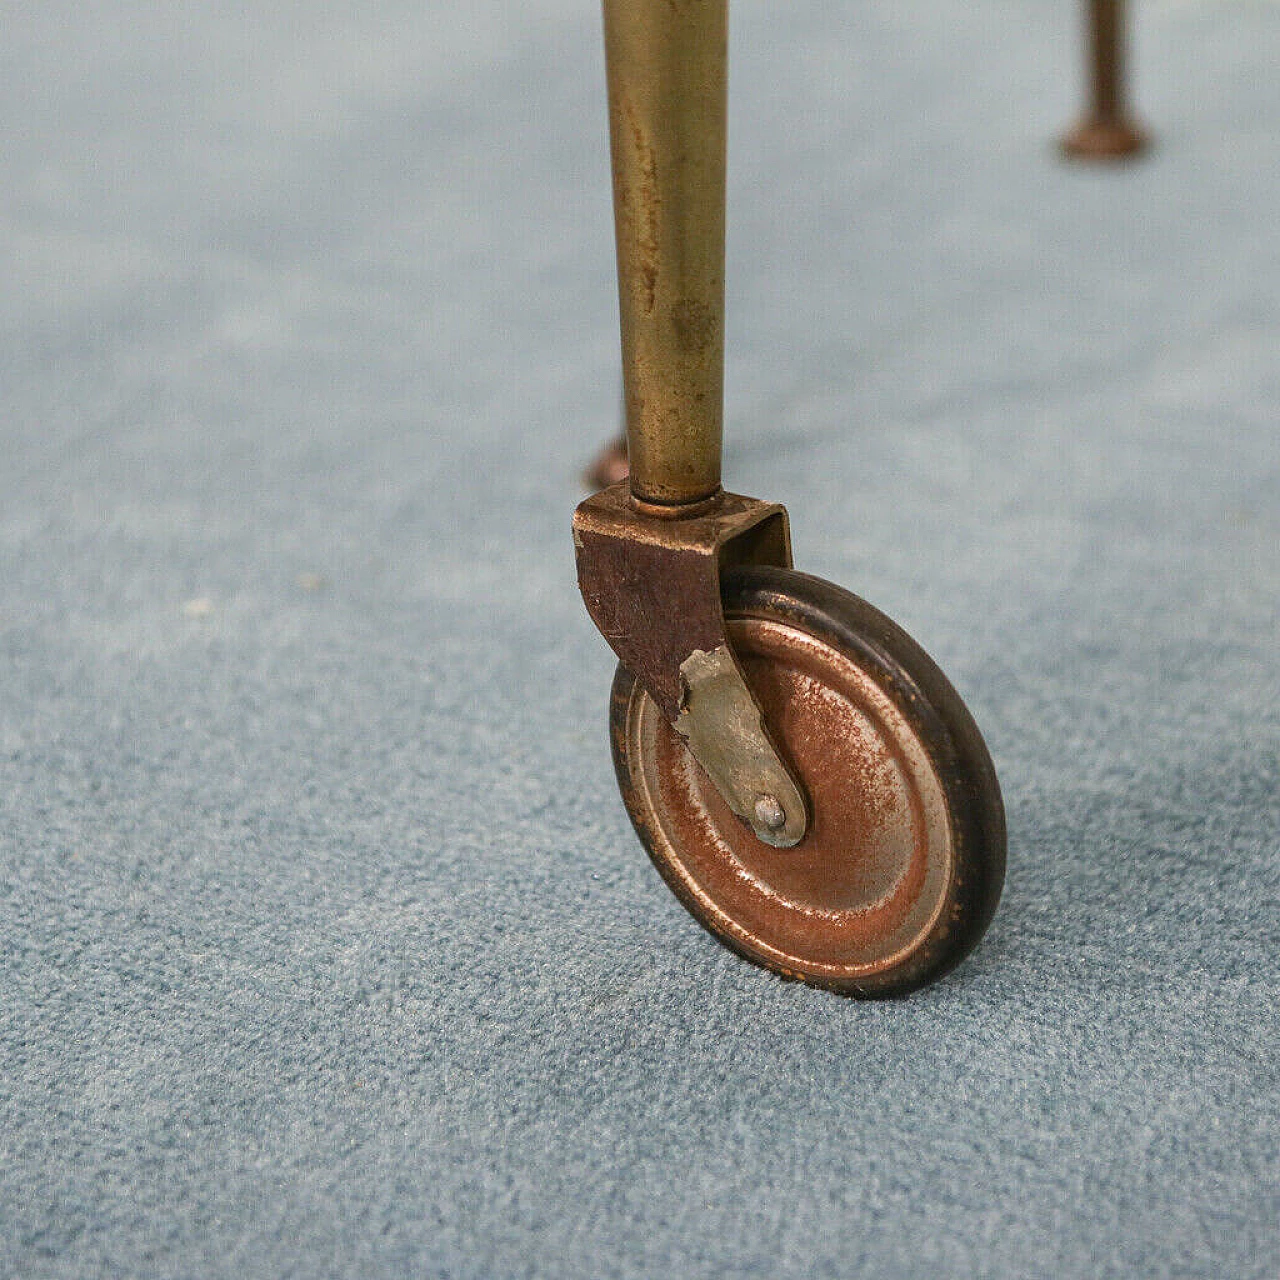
[1105,140]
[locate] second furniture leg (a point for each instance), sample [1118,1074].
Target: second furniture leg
[1108,130]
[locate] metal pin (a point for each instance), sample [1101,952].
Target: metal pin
[769,813]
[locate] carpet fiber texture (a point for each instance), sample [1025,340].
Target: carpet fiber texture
[325,946]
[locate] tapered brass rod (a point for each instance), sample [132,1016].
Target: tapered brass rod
[666,62]
[1106,58]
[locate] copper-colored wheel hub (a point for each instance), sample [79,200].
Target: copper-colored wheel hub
[867,883]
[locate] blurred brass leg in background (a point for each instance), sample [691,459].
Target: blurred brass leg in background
[1108,131]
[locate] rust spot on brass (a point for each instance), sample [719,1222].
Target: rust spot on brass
[636,186]
[696,325]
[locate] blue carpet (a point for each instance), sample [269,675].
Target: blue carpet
[325,946]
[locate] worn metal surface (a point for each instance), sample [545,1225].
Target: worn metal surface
[652,586]
[1108,130]
[723,729]
[902,863]
[666,66]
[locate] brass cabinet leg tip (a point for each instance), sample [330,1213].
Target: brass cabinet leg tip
[1105,140]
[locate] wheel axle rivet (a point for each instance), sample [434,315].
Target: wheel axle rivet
[770,814]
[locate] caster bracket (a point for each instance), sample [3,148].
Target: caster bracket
[651,583]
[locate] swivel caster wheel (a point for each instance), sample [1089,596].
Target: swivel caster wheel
[800,772]
[901,867]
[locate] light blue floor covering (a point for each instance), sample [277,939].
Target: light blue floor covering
[325,946]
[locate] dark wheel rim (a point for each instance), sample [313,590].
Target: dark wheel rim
[901,870]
